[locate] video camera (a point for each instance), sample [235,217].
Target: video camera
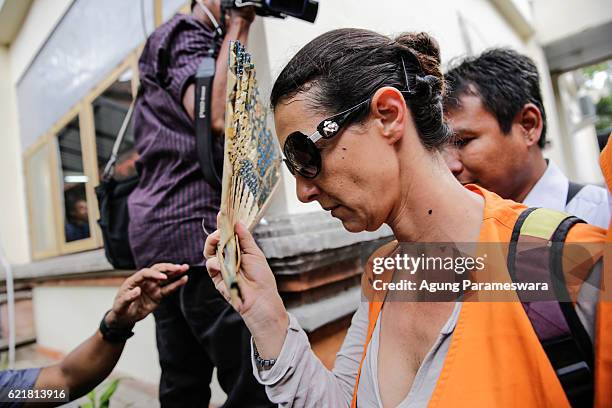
[303,9]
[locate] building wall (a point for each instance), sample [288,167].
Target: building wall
[140,356]
[13,224]
[39,23]
[524,7]
[139,359]
[555,20]
[557,150]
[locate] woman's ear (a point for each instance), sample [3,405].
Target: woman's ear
[390,113]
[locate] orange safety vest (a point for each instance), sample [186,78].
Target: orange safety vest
[495,357]
[603,349]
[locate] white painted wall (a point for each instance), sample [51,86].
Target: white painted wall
[39,23]
[13,221]
[579,136]
[556,19]
[67,315]
[558,150]
[525,8]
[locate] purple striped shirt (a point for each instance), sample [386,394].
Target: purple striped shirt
[171,199]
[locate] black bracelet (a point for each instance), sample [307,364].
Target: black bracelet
[114,334]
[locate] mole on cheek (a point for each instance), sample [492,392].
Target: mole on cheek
[429,212]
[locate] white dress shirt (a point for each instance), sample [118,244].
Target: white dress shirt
[590,204]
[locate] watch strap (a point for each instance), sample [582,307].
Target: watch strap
[114,334]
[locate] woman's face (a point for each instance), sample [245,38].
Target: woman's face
[359,178]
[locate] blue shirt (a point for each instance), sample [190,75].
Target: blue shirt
[16,380]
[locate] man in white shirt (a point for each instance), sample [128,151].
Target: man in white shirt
[495,107]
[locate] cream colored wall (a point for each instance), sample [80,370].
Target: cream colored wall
[557,150]
[13,224]
[67,315]
[42,18]
[525,8]
[556,19]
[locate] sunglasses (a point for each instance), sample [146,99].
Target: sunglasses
[302,156]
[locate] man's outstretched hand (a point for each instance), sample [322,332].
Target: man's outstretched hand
[140,294]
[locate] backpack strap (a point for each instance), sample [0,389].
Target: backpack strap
[536,255]
[572,190]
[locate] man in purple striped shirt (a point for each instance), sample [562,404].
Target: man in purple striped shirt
[196,329]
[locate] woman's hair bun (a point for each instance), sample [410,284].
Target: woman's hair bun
[422,43]
[426,50]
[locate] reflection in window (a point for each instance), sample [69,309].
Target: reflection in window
[109,111]
[76,217]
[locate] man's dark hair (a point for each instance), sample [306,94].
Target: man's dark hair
[341,68]
[503,79]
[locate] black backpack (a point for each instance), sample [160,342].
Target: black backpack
[113,204]
[555,322]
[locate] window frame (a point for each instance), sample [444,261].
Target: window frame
[58,194]
[42,143]
[83,110]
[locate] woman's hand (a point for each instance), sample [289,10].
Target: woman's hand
[260,305]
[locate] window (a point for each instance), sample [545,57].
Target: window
[64,166]
[73,180]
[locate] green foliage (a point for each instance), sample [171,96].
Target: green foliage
[591,70]
[108,393]
[4,362]
[92,400]
[604,113]
[104,400]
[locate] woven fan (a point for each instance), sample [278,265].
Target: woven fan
[251,163]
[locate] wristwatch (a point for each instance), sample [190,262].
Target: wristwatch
[262,364]
[114,334]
